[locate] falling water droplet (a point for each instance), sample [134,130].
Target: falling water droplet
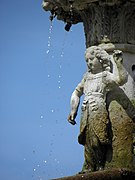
[49,38]
[52,110]
[47,51]
[49,45]
[62,55]
[34,169]
[61,60]
[41,116]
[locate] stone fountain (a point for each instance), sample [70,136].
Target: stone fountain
[110,25]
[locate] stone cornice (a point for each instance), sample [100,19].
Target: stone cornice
[62,7]
[110,47]
[79,5]
[125,47]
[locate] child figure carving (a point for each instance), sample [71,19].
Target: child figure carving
[95,130]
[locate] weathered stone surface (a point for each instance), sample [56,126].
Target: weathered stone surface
[81,4]
[117,23]
[110,23]
[122,117]
[114,174]
[112,18]
[96,130]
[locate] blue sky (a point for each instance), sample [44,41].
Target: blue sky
[36,141]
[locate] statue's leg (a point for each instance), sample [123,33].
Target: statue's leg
[93,132]
[94,149]
[100,156]
[89,154]
[95,153]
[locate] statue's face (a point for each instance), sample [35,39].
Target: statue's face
[93,63]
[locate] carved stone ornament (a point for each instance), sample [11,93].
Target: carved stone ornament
[96,133]
[112,18]
[107,129]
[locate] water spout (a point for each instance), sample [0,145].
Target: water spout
[69,24]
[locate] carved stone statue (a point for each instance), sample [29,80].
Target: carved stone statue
[95,128]
[107,128]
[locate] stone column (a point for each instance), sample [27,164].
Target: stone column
[116,24]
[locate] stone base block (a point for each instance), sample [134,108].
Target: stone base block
[113,174]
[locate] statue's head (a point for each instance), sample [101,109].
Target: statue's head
[97,59]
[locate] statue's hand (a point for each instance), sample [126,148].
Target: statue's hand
[117,54]
[71,118]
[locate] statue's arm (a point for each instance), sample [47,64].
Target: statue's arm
[121,77]
[74,102]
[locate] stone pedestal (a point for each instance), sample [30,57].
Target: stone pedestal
[114,174]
